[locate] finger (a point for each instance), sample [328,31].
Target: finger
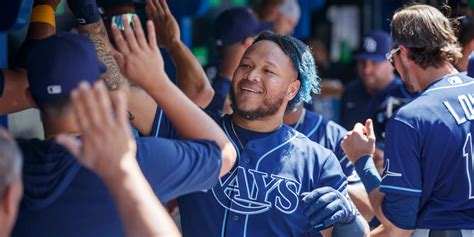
[90,107]
[334,218]
[139,32]
[315,194]
[369,128]
[129,35]
[166,9]
[319,204]
[104,106]
[359,128]
[119,59]
[122,45]
[150,9]
[152,43]
[79,110]
[120,104]
[159,8]
[72,144]
[324,213]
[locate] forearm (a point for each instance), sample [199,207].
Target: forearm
[190,121]
[13,98]
[141,211]
[360,198]
[97,33]
[191,78]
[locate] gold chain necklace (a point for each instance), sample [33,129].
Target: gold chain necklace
[235,133]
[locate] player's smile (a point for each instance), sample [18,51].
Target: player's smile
[250,90]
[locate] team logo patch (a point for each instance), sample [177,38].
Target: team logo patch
[454,80]
[386,171]
[370,45]
[254,192]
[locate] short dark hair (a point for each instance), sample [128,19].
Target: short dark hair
[10,161]
[428,35]
[53,107]
[466,30]
[303,61]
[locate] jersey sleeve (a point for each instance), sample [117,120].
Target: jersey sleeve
[402,173]
[162,126]
[221,86]
[174,168]
[331,174]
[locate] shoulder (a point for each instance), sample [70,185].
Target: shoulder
[305,145]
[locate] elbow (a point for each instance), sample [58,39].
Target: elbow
[203,96]
[229,157]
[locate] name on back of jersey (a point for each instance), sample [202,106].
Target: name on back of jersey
[463,109]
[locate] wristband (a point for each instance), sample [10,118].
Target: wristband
[85,11]
[368,173]
[43,14]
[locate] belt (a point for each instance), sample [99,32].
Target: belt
[443,233]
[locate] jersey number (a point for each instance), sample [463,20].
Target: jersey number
[467,152]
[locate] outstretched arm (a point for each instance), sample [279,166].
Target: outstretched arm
[108,149]
[191,78]
[142,63]
[359,145]
[141,106]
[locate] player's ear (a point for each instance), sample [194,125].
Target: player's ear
[293,89]
[29,98]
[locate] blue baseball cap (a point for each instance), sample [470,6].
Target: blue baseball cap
[374,46]
[236,24]
[58,63]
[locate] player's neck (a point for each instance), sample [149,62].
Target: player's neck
[62,124]
[292,117]
[267,124]
[431,74]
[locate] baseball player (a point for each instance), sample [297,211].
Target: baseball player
[378,92]
[64,199]
[284,184]
[426,187]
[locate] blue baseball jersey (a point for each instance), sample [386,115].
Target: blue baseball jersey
[261,195]
[428,154]
[62,198]
[357,105]
[329,135]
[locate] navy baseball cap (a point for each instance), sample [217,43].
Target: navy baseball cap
[236,24]
[374,46]
[58,63]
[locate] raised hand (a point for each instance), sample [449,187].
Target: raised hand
[106,143]
[166,25]
[139,59]
[360,141]
[325,207]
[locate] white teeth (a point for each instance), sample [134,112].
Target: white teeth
[250,90]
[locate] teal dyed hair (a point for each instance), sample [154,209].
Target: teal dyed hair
[303,60]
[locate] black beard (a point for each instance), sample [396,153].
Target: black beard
[270,107]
